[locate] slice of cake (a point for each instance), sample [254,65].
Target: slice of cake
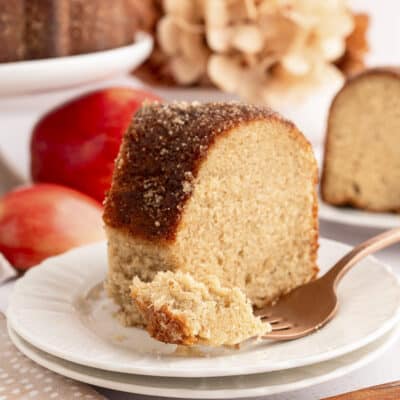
[180,310]
[362,150]
[222,189]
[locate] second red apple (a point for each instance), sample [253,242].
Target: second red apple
[76,144]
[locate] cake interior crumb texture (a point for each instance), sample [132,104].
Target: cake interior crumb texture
[362,155]
[178,309]
[249,214]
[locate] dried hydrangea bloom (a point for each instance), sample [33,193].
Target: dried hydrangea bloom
[241,45]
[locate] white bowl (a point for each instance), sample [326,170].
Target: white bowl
[34,76]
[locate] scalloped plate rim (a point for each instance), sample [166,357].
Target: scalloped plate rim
[206,371]
[71,370]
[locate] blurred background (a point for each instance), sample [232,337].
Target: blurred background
[28,91]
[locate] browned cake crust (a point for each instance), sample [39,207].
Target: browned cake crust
[100,24]
[344,201]
[159,158]
[12,30]
[46,29]
[166,327]
[34,29]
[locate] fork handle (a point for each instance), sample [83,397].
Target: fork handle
[359,252]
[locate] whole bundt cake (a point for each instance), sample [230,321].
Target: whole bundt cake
[34,29]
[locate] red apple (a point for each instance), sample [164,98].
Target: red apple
[43,220]
[75,145]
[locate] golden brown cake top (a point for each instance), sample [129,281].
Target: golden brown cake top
[159,159]
[390,71]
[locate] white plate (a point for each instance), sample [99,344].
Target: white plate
[353,216]
[60,308]
[24,77]
[213,388]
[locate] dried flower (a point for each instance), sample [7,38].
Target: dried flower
[253,47]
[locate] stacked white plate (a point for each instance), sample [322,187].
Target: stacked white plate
[60,317]
[356,217]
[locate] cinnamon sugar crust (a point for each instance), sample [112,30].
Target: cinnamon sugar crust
[160,158]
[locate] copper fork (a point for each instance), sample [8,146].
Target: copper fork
[309,307]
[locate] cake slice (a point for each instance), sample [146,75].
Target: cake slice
[180,310]
[223,189]
[362,149]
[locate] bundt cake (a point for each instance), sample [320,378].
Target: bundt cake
[362,148]
[222,189]
[32,29]
[180,310]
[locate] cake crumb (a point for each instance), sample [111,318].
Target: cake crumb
[181,310]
